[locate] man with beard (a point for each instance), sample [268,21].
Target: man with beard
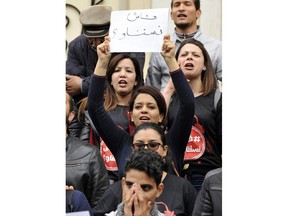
[85,169]
[185,14]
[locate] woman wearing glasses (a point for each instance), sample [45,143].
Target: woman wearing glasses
[178,194]
[147,105]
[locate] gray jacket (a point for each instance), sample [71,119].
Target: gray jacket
[209,199]
[120,211]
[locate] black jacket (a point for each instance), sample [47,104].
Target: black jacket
[85,169]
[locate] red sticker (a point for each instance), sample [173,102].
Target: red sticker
[196,145]
[108,157]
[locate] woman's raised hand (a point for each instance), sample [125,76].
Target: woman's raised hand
[103,49]
[168,53]
[168,47]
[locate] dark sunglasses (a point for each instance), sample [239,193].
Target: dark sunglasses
[150,145]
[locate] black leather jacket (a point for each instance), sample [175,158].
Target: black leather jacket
[85,169]
[209,199]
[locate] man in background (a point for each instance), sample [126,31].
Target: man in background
[184,14]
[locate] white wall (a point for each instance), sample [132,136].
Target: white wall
[211,18]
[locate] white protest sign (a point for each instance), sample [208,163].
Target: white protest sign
[138,30]
[81,213]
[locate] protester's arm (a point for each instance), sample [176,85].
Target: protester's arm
[168,92]
[179,132]
[111,134]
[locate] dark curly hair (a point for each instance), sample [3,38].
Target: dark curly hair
[146,161]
